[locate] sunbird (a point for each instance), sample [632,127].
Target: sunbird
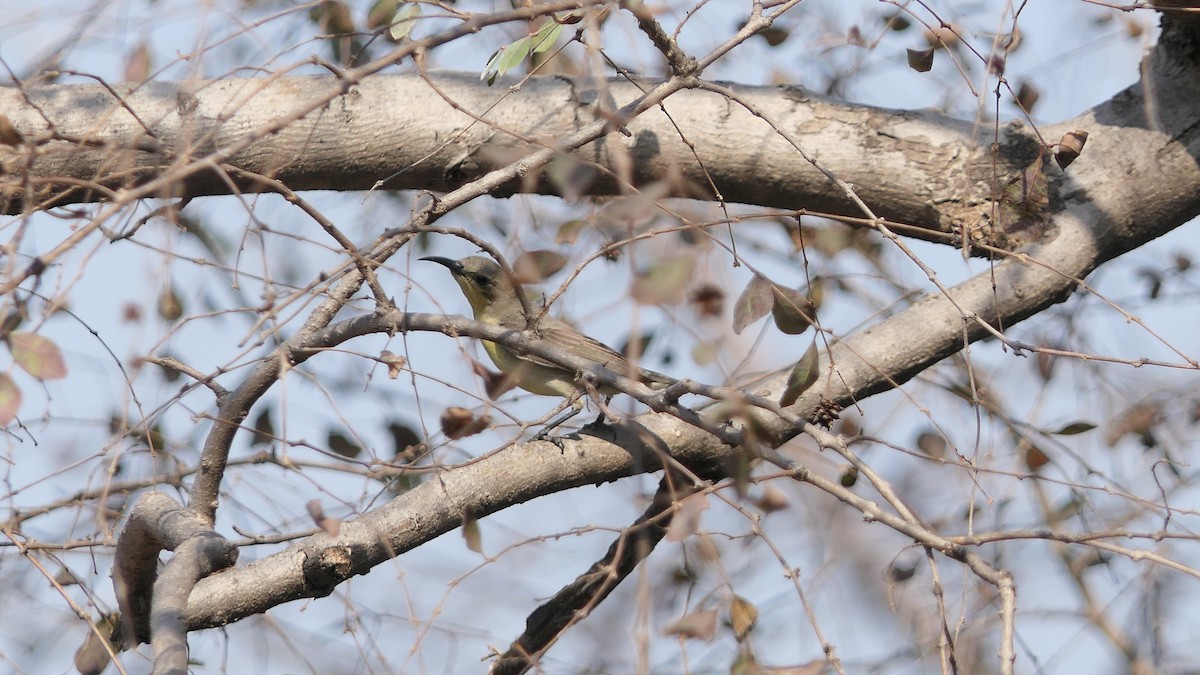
[494,300]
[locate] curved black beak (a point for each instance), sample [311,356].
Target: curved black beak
[454,266]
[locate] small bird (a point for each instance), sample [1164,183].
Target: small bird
[494,300]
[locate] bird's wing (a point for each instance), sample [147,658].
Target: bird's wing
[562,335]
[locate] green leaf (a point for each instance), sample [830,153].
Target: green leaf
[511,56]
[753,304]
[546,36]
[792,310]
[37,355]
[404,21]
[804,375]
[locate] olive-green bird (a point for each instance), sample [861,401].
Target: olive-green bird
[494,300]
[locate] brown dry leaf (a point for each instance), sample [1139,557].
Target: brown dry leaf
[137,67]
[1138,419]
[686,520]
[773,499]
[708,299]
[534,267]
[8,133]
[1070,146]
[495,384]
[1034,458]
[804,375]
[753,304]
[1027,96]
[330,526]
[459,423]
[701,624]
[394,362]
[92,656]
[920,60]
[931,443]
[742,617]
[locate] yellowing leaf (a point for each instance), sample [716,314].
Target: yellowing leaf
[804,375]
[742,617]
[532,267]
[753,304]
[404,21]
[664,282]
[37,355]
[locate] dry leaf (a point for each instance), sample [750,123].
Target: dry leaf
[534,267]
[37,355]
[753,304]
[701,625]
[664,282]
[394,362]
[804,374]
[460,422]
[742,617]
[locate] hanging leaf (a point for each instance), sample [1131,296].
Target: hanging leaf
[1034,457]
[920,60]
[1075,428]
[472,535]
[506,59]
[931,443]
[264,429]
[329,525]
[708,300]
[170,307]
[533,267]
[460,422]
[1069,147]
[568,232]
[701,625]
[37,355]
[664,282]
[1023,202]
[381,14]
[406,442]
[343,445]
[93,655]
[543,40]
[394,362]
[404,21]
[753,304]
[804,375]
[773,499]
[686,520]
[742,617]
[792,311]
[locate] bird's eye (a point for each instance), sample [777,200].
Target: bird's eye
[482,280]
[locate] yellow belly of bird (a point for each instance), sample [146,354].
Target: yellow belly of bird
[532,377]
